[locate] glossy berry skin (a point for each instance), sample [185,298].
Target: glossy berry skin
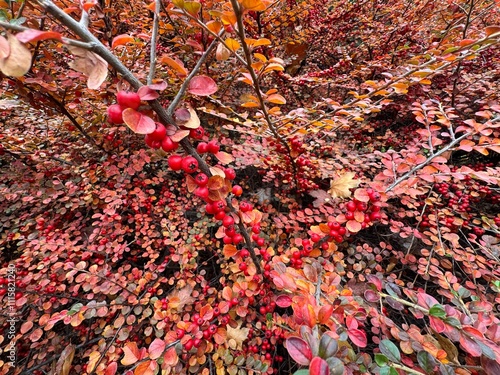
[237,190]
[128,99]
[189,164]
[202,192]
[175,162]
[151,142]
[213,146]
[115,114]
[168,145]
[197,133]
[245,207]
[202,147]
[227,221]
[201,179]
[230,173]
[159,133]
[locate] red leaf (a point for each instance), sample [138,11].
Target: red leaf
[202,86]
[138,122]
[224,157]
[147,93]
[283,301]
[358,337]
[470,346]
[156,348]
[36,35]
[318,366]
[490,367]
[111,368]
[299,350]
[324,314]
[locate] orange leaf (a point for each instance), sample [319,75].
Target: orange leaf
[120,40]
[138,122]
[490,30]
[224,157]
[276,99]
[175,64]
[131,354]
[353,226]
[156,348]
[230,251]
[255,5]
[214,26]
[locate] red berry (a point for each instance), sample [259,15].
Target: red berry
[189,164]
[180,333]
[168,145]
[151,142]
[230,173]
[227,221]
[197,133]
[201,179]
[128,99]
[220,215]
[350,206]
[202,192]
[159,133]
[315,237]
[115,114]
[245,207]
[213,146]
[189,345]
[375,216]
[243,267]
[202,147]
[237,190]
[237,238]
[175,162]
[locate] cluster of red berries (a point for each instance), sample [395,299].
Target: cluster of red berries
[125,99]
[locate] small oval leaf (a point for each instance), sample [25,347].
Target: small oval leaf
[138,122]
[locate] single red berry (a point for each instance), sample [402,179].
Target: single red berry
[227,221]
[175,162]
[197,133]
[350,206]
[128,99]
[375,216]
[202,192]
[220,215]
[243,267]
[230,173]
[201,179]
[202,147]
[220,205]
[189,345]
[151,142]
[315,237]
[237,190]
[168,145]
[189,164]
[237,238]
[159,133]
[115,114]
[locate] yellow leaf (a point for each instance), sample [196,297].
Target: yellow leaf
[340,187]
[274,66]
[222,53]
[261,57]
[400,87]
[262,42]
[236,336]
[192,7]
[64,362]
[250,105]
[232,44]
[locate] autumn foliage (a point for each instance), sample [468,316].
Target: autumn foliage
[250,187]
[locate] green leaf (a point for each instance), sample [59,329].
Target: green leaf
[301,372]
[381,359]
[426,361]
[390,350]
[75,308]
[438,311]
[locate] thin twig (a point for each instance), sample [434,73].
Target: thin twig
[154,37]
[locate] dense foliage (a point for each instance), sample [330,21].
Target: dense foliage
[291,187]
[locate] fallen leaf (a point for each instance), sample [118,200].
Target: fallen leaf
[236,336]
[64,362]
[340,187]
